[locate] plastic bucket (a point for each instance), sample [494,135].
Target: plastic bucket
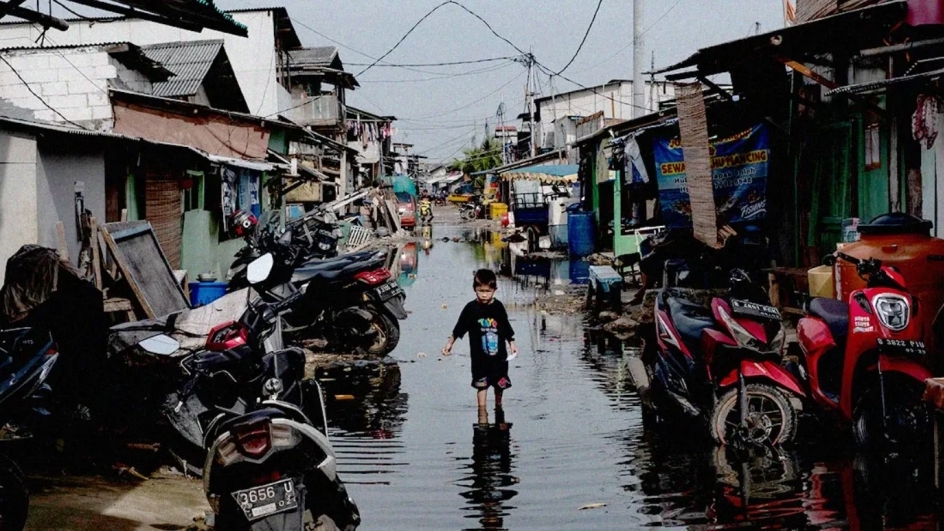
[202,293]
[580,233]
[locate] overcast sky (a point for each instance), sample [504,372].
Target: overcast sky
[441,108]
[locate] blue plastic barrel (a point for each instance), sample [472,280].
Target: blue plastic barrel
[580,233]
[206,292]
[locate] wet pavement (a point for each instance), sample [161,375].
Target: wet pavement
[573,451]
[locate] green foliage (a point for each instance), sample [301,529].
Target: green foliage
[484,157]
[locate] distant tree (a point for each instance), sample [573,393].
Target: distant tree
[484,157]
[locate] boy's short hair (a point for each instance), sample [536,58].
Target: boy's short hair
[485,277]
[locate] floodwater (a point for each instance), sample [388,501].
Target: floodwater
[573,451]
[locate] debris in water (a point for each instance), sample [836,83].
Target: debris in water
[420,354]
[593,506]
[445,306]
[344,397]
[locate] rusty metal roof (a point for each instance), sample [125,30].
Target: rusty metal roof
[189,61]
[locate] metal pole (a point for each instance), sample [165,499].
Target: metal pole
[534,145]
[639,89]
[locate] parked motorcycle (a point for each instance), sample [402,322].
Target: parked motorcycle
[27,355]
[865,358]
[314,236]
[474,208]
[350,301]
[721,365]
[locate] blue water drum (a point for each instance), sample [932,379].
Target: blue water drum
[202,293]
[580,233]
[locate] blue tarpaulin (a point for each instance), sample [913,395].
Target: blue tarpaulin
[401,184]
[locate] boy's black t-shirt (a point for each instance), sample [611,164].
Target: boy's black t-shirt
[488,329]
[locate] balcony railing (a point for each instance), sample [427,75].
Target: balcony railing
[324,110]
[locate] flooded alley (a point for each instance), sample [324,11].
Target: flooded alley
[575,453]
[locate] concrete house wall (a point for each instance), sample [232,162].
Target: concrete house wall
[253,58]
[18,198]
[59,166]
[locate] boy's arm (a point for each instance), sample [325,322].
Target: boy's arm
[457,332]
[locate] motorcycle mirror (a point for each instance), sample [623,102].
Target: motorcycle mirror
[160,344]
[259,269]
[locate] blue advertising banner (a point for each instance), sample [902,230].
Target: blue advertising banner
[738,172]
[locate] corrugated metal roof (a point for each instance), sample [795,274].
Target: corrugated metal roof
[317,56]
[189,61]
[876,85]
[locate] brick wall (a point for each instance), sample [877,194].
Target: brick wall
[74,82]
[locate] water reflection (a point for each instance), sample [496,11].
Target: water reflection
[489,474]
[364,403]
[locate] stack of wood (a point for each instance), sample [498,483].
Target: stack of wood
[125,261]
[807,10]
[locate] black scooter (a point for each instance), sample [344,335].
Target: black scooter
[27,355]
[269,464]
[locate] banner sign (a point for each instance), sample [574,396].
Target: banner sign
[739,167]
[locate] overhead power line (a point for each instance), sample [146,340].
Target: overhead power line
[38,97]
[427,15]
[585,34]
[450,63]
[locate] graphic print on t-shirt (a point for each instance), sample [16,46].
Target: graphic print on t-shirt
[489,336]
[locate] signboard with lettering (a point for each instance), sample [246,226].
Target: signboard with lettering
[739,166]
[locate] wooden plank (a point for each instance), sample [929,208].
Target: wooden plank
[61,237]
[96,256]
[145,267]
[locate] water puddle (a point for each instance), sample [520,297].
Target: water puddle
[572,450]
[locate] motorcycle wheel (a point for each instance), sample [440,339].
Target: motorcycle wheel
[14,496]
[466,214]
[388,333]
[771,418]
[907,419]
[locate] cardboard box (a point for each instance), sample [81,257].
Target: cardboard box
[822,282]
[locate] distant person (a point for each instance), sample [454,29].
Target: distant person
[486,322]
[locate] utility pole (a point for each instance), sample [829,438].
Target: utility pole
[529,95]
[639,90]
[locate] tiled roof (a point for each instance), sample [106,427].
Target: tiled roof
[189,61]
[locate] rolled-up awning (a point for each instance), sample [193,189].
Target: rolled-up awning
[544,173]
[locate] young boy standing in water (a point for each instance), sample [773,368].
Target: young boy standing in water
[486,322]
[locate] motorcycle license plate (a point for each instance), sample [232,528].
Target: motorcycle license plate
[752,309]
[388,291]
[902,347]
[266,500]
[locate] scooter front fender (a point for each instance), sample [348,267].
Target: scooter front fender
[764,370]
[904,366]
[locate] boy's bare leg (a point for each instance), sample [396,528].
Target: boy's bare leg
[480,396]
[483,415]
[498,398]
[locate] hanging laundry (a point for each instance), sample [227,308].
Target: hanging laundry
[634,161]
[924,119]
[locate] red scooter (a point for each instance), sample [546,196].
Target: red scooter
[865,357]
[723,365]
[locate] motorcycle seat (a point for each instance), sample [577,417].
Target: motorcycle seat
[690,319]
[835,313]
[332,268]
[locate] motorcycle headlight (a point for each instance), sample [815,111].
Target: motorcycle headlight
[894,311]
[740,334]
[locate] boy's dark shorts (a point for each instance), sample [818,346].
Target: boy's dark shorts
[485,375]
[499,382]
